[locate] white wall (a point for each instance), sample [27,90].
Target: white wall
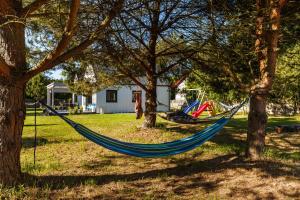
[124,97]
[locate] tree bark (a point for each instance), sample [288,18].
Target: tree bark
[267,37]
[257,120]
[12,108]
[150,104]
[151,75]
[12,114]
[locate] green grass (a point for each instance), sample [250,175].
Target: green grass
[68,163]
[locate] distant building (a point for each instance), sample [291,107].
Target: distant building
[58,93]
[117,99]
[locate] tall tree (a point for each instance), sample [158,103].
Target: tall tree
[266,47]
[241,59]
[15,72]
[152,39]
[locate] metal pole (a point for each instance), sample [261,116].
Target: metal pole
[35,135]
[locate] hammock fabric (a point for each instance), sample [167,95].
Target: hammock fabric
[149,150]
[181,113]
[227,107]
[182,118]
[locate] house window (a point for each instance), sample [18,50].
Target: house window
[89,100]
[134,93]
[111,96]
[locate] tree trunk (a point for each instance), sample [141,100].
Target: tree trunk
[267,37]
[12,108]
[12,113]
[257,120]
[151,105]
[151,94]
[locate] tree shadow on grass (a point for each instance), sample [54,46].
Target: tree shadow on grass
[179,128]
[28,142]
[38,114]
[227,138]
[184,173]
[242,123]
[41,124]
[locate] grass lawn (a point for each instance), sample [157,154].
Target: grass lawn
[69,166]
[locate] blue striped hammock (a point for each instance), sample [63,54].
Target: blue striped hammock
[150,150]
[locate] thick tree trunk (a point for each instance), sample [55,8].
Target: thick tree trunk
[12,109]
[151,94]
[151,105]
[267,37]
[12,113]
[257,120]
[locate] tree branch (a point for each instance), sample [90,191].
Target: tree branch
[226,69]
[168,13]
[134,79]
[184,76]
[140,40]
[81,47]
[32,7]
[133,53]
[282,3]
[166,69]
[63,43]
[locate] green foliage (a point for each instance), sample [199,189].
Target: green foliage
[88,76]
[227,67]
[286,88]
[74,110]
[36,87]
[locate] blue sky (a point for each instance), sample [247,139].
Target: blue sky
[56,74]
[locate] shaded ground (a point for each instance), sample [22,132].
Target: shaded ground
[68,166]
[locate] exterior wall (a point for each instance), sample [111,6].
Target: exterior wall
[80,100]
[94,98]
[163,96]
[49,97]
[180,98]
[124,102]
[83,102]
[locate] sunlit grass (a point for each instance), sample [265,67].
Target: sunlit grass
[61,152]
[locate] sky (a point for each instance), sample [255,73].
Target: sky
[56,74]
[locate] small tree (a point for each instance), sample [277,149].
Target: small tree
[36,88]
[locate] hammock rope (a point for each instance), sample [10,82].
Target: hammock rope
[150,150]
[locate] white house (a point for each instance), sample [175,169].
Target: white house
[116,99]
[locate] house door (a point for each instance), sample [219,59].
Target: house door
[136,94]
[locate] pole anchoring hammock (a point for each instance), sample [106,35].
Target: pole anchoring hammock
[150,150]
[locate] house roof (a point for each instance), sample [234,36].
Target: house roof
[57,85]
[143,80]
